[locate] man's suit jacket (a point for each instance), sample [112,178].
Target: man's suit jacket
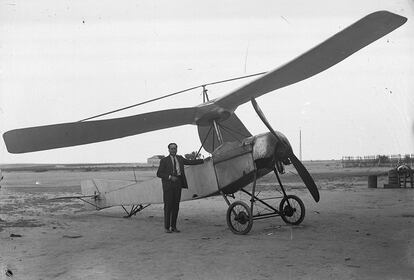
[166,169]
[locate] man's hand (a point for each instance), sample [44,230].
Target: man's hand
[174,178]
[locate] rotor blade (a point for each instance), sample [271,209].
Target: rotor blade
[318,59]
[78,133]
[306,177]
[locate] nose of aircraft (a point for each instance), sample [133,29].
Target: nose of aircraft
[283,148]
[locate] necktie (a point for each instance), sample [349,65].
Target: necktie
[174,166]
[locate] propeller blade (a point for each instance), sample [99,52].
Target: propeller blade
[263,118]
[78,133]
[330,52]
[306,177]
[282,140]
[303,172]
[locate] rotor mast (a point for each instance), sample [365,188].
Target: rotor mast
[216,126]
[205,95]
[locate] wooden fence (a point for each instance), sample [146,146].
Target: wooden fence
[378,160]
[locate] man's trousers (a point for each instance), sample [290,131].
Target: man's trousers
[172,197]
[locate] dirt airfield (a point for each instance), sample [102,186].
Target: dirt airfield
[354,232]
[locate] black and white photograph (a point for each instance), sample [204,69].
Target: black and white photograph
[192,140]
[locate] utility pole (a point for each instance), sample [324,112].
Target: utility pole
[300,144]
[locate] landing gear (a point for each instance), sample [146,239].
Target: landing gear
[240,215]
[134,210]
[239,218]
[292,210]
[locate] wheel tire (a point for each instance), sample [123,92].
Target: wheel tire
[239,218]
[293,212]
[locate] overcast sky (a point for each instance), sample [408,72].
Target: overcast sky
[63,61]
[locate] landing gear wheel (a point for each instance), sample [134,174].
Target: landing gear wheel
[292,210]
[239,218]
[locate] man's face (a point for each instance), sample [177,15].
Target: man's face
[173,150]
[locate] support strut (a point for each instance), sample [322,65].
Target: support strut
[134,210]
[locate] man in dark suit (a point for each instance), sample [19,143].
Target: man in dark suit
[171,172]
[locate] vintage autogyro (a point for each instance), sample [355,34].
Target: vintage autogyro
[238,158]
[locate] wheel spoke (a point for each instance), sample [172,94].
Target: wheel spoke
[292,210]
[239,218]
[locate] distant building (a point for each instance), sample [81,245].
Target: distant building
[154,160]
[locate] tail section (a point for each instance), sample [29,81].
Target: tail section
[99,193]
[93,196]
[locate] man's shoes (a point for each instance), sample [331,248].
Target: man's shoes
[175,230]
[167,230]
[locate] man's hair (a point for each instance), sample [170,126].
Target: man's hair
[172,144]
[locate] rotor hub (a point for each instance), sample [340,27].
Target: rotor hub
[209,112]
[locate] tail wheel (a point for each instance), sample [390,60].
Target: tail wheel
[292,210]
[239,218]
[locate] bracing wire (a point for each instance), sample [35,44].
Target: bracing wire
[171,94]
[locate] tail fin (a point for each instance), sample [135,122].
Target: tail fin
[93,196]
[90,195]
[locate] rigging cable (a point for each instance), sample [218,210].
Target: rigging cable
[171,94]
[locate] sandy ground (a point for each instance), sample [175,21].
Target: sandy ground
[352,233]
